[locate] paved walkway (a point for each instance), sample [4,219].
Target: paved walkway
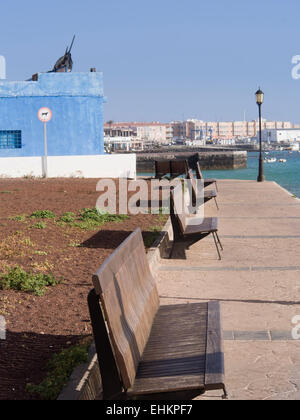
[257,282]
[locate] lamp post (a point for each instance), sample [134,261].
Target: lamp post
[259,100]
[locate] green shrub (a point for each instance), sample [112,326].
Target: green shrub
[92,218]
[40,225]
[151,236]
[68,217]
[40,253]
[18,279]
[60,368]
[43,214]
[18,218]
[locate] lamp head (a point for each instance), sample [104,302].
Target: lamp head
[259,97]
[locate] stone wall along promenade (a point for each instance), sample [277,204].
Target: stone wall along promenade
[208,160]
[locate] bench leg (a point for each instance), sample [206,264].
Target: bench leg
[217,203]
[219,242]
[217,187]
[225,396]
[217,246]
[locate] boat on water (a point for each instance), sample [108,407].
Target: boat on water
[271,160]
[282,160]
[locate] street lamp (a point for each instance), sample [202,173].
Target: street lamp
[259,100]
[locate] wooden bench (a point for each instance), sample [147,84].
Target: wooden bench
[207,181]
[208,194]
[186,228]
[171,168]
[148,351]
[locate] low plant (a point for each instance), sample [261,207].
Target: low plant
[39,225]
[43,214]
[68,217]
[43,267]
[18,279]
[18,218]
[59,370]
[40,253]
[91,219]
[151,236]
[74,244]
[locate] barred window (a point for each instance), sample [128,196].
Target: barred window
[10,139]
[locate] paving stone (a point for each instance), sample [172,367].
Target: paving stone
[251,335]
[228,335]
[282,336]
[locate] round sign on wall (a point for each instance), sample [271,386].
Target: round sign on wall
[45,115]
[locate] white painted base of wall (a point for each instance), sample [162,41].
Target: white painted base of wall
[98,166]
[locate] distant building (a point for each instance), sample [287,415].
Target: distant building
[283,135]
[121,138]
[147,132]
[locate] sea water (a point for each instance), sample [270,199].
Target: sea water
[285,174]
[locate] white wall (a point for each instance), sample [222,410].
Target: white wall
[100,166]
[281,135]
[288,135]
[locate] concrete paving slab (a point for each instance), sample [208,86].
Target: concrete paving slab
[261,371]
[251,335]
[281,335]
[239,252]
[260,227]
[266,287]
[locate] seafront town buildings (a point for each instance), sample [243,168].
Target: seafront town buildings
[226,130]
[192,131]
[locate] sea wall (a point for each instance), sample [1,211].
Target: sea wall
[208,160]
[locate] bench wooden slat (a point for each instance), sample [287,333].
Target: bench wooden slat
[207,181]
[173,168]
[209,194]
[183,360]
[209,224]
[214,371]
[162,168]
[130,300]
[178,167]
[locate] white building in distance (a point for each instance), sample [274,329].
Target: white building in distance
[285,135]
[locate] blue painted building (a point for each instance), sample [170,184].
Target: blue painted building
[76,129]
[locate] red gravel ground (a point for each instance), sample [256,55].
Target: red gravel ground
[37,327]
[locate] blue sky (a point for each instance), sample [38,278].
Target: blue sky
[165,59]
